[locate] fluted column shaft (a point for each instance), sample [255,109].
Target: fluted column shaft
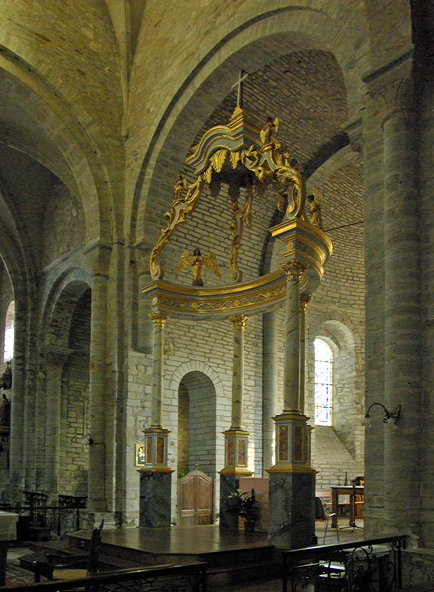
[159,319]
[291,372]
[239,323]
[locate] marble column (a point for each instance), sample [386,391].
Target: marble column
[156,476]
[291,371]
[236,438]
[304,301]
[269,402]
[99,260]
[292,479]
[393,89]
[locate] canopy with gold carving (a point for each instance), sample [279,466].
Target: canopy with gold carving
[243,155]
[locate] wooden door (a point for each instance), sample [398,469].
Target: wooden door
[195,498]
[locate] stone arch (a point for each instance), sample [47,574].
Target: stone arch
[256,41]
[16,265]
[319,176]
[196,366]
[344,339]
[197,419]
[73,156]
[62,387]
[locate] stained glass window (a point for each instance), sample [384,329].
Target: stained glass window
[323,383]
[8,351]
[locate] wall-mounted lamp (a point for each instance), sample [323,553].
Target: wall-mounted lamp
[395,416]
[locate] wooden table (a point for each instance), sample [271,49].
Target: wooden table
[338,490]
[8,530]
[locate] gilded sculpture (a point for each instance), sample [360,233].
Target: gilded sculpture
[271,126]
[197,262]
[314,207]
[222,154]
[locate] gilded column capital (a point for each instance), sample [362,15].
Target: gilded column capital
[239,321]
[304,301]
[158,318]
[294,270]
[392,87]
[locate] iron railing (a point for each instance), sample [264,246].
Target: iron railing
[61,518]
[189,577]
[372,565]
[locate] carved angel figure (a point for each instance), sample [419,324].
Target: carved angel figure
[315,209]
[179,189]
[197,262]
[271,126]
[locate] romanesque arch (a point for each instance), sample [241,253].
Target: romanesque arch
[62,387]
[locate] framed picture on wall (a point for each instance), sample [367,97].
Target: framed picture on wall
[140,455]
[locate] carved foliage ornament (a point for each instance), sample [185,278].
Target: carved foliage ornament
[263,163]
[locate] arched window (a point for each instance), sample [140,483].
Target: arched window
[323,383]
[8,352]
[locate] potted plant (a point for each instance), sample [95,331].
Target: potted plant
[244,505]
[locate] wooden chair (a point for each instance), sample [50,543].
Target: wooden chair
[320,514]
[70,567]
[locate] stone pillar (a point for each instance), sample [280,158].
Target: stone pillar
[269,403]
[426,181]
[99,260]
[304,301]
[292,479]
[55,360]
[156,476]
[394,89]
[17,398]
[236,438]
[142,330]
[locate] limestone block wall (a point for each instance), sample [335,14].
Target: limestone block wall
[74,421]
[217,20]
[205,349]
[63,225]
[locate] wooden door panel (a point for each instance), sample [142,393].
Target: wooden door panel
[195,498]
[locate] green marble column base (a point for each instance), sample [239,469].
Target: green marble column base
[292,509]
[155,498]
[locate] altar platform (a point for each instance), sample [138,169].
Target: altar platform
[231,556]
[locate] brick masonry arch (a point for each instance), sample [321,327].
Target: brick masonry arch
[63,383]
[72,154]
[69,281]
[195,366]
[254,43]
[339,331]
[220,395]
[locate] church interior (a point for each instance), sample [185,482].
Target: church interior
[243,297]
